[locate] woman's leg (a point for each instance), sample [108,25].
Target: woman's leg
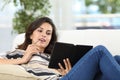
[101,76]
[117,58]
[97,59]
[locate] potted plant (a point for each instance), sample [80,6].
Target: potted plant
[28,11]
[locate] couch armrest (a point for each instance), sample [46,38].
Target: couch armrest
[19,39]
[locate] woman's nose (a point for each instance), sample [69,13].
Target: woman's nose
[43,35]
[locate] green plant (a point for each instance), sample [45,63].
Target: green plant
[28,11]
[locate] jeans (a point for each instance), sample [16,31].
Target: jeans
[97,60]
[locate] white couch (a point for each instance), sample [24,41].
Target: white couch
[109,38]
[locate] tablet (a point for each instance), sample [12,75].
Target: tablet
[67,50]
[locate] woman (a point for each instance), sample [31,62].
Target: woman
[34,54]
[31,43]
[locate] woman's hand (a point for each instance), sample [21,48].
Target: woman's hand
[31,49]
[67,67]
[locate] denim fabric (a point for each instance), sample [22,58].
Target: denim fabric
[117,58]
[97,64]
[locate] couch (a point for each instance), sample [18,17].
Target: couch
[109,38]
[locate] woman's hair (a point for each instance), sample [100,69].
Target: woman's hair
[33,26]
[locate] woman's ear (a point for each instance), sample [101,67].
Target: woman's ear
[31,37]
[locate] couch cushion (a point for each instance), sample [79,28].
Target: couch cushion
[14,72]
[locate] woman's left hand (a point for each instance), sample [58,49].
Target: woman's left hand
[67,68]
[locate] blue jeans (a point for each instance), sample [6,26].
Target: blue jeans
[97,60]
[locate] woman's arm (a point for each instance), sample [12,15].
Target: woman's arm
[22,60]
[31,49]
[12,61]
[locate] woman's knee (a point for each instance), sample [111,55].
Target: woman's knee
[100,47]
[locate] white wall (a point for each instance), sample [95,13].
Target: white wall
[6,37]
[62,13]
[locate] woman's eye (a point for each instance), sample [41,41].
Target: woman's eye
[48,33]
[40,30]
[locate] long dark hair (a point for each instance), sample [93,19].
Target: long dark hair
[33,26]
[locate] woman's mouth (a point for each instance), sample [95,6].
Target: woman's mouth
[42,40]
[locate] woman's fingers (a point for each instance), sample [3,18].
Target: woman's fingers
[66,64]
[67,68]
[61,67]
[69,64]
[61,70]
[32,49]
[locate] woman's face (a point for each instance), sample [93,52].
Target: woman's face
[42,35]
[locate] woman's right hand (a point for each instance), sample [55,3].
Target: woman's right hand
[31,49]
